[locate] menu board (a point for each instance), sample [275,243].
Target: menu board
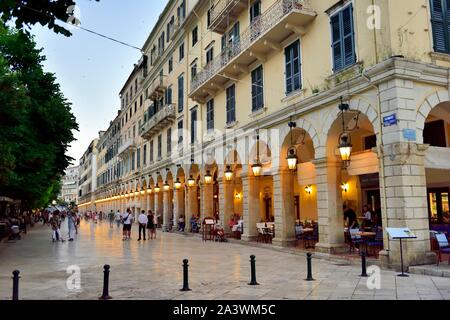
[209,221]
[400,233]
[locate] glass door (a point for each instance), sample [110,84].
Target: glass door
[438,206]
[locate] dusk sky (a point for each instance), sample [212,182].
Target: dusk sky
[92,70]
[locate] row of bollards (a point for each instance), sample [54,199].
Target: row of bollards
[253,282]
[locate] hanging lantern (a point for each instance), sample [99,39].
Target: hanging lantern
[166,186]
[345,149]
[228,174]
[257,166]
[177,184]
[208,177]
[191,181]
[157,188]
[292,159]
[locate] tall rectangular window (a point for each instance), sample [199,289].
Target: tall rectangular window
[194,36]
[210,115]
[159,147]
[181,93]
[133,159]
[138,158]
[231,104]
[257,89]
[181,52]
[255,10]
[170,63]
[194,70]
[151,151]
[209,55]
[169,95]
[440,21]
[145,155]
[193,125]
[343,39]
[293,67]
[180,131]
[169,140]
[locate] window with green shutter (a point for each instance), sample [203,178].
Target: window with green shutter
[440,21]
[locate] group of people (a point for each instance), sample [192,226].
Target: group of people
[147,223]
[55,220]
[370,218]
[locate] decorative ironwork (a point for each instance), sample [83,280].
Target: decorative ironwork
[259,26]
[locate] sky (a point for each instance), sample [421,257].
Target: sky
[92,70]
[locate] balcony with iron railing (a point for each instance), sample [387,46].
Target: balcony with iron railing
[224,13]
[155,123]
[157,87]
[266,33]
[127,147]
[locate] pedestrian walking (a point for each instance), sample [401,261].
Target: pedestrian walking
[126,219]
[151,225]
[55,223]
[111,219]
[143,220]
[71,223]
[117,218]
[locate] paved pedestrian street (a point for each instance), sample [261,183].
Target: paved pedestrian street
[153,270]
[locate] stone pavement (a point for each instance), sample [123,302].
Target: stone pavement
[152,270]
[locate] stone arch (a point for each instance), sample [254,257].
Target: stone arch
[425,108]
[357,105]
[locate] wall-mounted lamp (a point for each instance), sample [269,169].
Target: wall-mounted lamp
[345,186]
[238,196]
[308,189]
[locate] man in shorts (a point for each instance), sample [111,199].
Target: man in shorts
[127,220]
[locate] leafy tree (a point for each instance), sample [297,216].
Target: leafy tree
[36,123]
[44,12]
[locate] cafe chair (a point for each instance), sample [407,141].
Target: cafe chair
[376,243]
[444,247]
[355,239]
[310,240]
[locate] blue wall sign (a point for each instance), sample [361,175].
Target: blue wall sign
[409,134]
[390,120]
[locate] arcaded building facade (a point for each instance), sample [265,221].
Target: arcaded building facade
[286,110]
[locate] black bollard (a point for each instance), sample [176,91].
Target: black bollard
[309,263]
[105,295]
[363,265]
[15,293]
[185,276]
[253,271]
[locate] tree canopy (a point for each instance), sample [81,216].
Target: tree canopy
[36,123]
[44,12]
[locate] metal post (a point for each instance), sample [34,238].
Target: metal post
[309,265]
[363,265]
[105,295]
[15,293]
[253,271]
[185,276]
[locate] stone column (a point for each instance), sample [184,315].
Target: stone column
[329,207]
[226,202]
[152,202]
[207,200]
[252,206]
[178,206]
[192,203]
[406,202]
[166,210]
[283,192]
[159,208]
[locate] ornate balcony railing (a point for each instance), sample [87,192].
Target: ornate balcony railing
[264,23]
[127,146]
[225,10]
[157,122]
[157,87]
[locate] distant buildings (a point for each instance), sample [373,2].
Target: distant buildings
[69,185]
